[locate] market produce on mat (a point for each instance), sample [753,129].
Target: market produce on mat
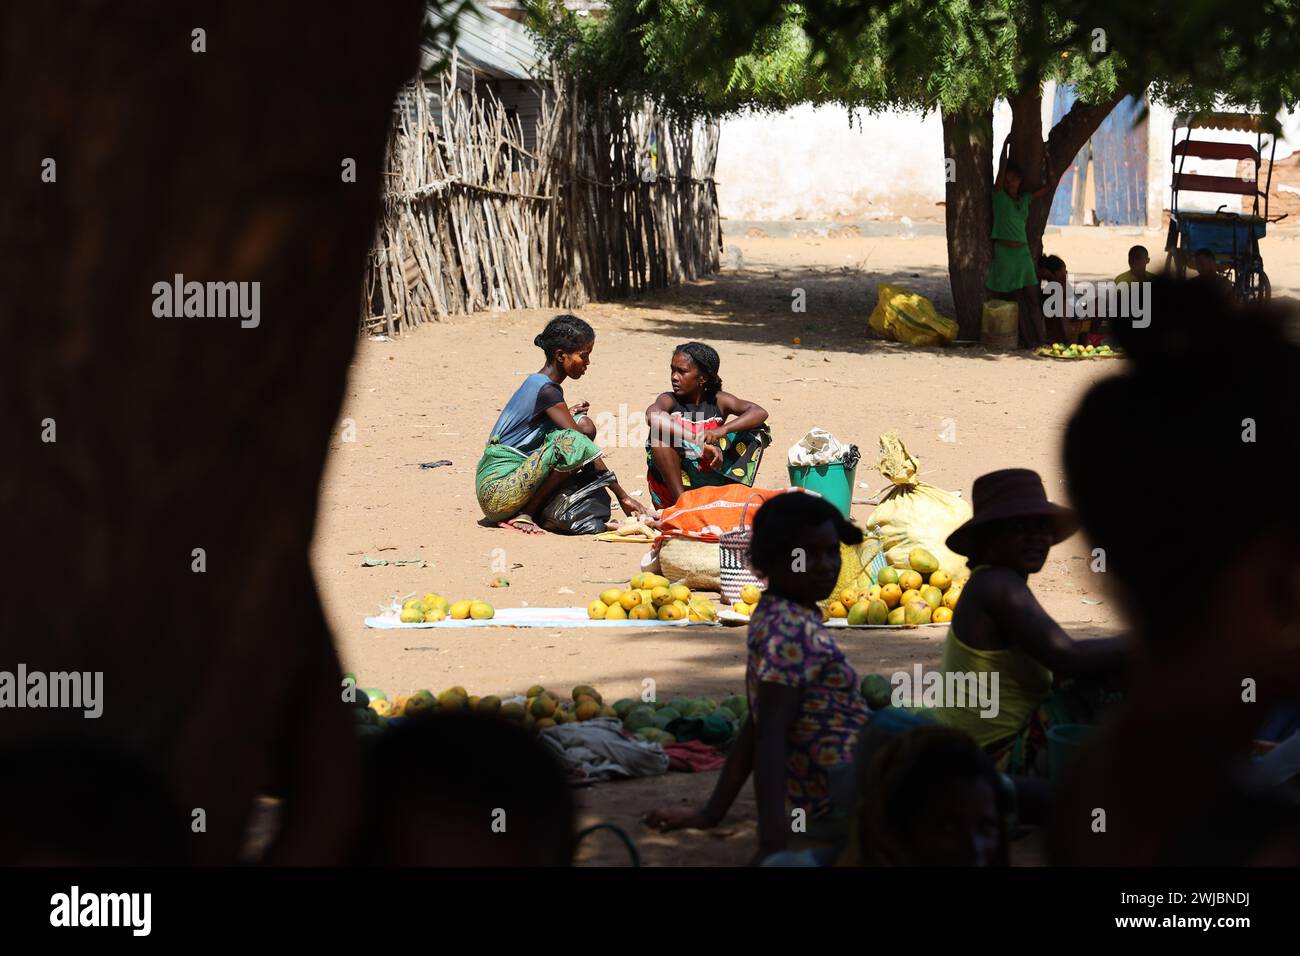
[652,597]
[749,597]
[434,607]
[1061,350]
[922,594]
[701,718]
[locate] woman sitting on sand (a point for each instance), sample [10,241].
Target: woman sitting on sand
[1000,629]
[691,441]
[537,442]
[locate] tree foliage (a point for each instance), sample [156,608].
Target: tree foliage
[719,56]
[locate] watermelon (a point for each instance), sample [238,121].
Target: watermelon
[877,689]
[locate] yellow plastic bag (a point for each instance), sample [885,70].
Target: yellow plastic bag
[855,564]
[909,317]
[913,514]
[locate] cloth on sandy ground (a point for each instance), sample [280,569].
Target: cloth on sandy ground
[742,452]
[565,617]
[597,750]
[693,756]
[507,478]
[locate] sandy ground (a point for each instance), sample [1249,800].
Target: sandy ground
[435,394]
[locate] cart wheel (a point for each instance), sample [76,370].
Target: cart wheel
[1252,285]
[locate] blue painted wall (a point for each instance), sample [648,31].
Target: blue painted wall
[1119,164]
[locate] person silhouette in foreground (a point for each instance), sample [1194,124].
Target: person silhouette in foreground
[464,790]
[1207,571]
[73,803]
[929,797]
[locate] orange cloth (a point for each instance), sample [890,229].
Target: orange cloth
[705,513]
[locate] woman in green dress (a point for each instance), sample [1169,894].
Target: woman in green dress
[1012,274]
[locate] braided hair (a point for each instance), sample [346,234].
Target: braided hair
[564,333]
[707,361]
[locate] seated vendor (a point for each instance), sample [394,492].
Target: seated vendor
[1208,274]
[537,442]
[1138,260]
[999,628]
[699,434]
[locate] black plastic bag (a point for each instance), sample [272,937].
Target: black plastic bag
[581,505]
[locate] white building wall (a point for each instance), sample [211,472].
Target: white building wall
[810,163]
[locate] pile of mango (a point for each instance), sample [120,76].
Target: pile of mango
[922,593]
[541,708]
[1061,350]
[434,607]
[650,597]
[749,598]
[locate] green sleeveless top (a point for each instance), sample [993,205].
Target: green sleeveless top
[1022,686]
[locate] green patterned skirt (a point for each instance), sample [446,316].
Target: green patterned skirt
[507,478]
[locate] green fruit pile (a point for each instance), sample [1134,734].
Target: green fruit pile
[649,720]
[877,690]
[542,709]
[1063,351]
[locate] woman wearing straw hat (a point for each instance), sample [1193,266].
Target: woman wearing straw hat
[999,628]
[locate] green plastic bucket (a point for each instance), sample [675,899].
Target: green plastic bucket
[1064,741]
[832,482]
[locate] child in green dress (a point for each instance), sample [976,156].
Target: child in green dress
[1012,274]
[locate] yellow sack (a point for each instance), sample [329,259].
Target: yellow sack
[909,317]
[855,564]
[913,514]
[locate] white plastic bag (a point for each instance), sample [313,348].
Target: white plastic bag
[818,447]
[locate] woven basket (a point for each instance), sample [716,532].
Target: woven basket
[733,560]
[694,563]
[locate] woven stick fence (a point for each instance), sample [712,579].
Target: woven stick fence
[474,221]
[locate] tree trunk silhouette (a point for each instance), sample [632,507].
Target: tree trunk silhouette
[968,142]
[176,434]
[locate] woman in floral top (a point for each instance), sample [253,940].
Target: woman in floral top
[805,712]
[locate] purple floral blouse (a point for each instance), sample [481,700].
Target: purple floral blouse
[789,645]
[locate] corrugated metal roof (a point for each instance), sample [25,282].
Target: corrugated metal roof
[492,44]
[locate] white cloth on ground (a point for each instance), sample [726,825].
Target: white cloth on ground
[598,750]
